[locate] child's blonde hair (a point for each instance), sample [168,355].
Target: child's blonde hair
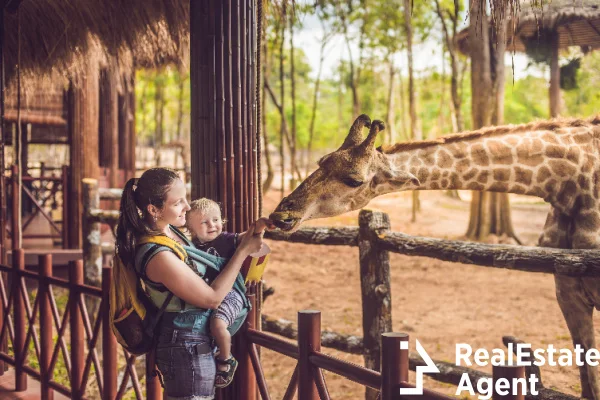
[203,205]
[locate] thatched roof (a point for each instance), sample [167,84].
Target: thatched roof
[577,23]
[59,36]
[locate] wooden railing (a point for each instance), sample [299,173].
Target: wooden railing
[84,340]
[47,190]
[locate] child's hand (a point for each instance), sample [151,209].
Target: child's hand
[263,223]
[252,241]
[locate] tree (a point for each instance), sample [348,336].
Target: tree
[490,212]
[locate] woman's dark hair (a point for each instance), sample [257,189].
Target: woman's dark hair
[151,188]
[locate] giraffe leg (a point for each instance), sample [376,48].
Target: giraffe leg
[577,310]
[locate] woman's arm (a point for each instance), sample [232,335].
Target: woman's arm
[168,269]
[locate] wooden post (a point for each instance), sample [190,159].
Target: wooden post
[108,136]
[247,387]
[153,388]
[309,340]
[3,243]
[510,373]
[65,207]
[16,197]
[375,287]
[109,342]
[76,326]
[46,330]
[554,76]
[83,139]
[92,246]
[20,320]
[3,342]
[394,364]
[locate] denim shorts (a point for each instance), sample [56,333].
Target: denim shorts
[186,362]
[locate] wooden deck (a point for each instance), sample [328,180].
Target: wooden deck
[7,388]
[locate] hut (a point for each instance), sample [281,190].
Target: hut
[541,31]
[93,46]
[69,69]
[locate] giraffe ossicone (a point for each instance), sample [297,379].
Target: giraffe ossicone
[556,160]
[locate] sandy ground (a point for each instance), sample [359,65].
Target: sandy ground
[438,303]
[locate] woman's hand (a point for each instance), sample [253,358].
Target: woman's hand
[252,241]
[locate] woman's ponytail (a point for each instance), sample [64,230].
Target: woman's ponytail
[131,223]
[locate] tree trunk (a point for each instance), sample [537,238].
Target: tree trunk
[403,126]
[414,131]
[179,138]
[158,117]
[313,114]
[266,73]
[390,115]
[282,102]
[490,212]
[554,78]
[293,163]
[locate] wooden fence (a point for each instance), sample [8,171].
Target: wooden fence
[375,240]
[38,191]
[84,344]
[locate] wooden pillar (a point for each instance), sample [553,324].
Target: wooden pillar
[375,288]
[554,76]
[221,45]
[83,139]
[223,103]
[126,115]
[92,246]
[108,134]
[2,141]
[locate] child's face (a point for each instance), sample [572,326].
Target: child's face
[207,225]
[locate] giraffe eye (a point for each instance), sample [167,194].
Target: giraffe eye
[351,182]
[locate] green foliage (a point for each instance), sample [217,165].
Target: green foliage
[147,82]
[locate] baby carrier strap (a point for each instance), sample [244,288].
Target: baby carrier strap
[148,247]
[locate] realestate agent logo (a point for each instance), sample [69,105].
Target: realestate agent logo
[429,367]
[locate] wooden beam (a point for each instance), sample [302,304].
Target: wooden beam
[109,123]
[83,134]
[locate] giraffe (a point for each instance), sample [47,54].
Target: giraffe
[557,160]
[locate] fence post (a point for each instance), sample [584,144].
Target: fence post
[16,197]
[509,372]
[309,340]
[3,342]
[92,246]
[65,207]
[76,326]
[45,263]
[375,287]
[394,364]
[246,387]
[20,321]
[153,388]
[109,342]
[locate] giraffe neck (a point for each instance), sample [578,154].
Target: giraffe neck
[546,164]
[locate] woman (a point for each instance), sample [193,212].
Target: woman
[156,204]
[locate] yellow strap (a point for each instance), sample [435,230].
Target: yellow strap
[166,241]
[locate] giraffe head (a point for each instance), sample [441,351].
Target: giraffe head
[346,180]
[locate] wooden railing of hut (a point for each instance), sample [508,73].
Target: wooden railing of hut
[48,189]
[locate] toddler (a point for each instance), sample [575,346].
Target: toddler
[205,225]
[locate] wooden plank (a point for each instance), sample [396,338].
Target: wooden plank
[60,257]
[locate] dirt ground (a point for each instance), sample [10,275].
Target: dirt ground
[438,303]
